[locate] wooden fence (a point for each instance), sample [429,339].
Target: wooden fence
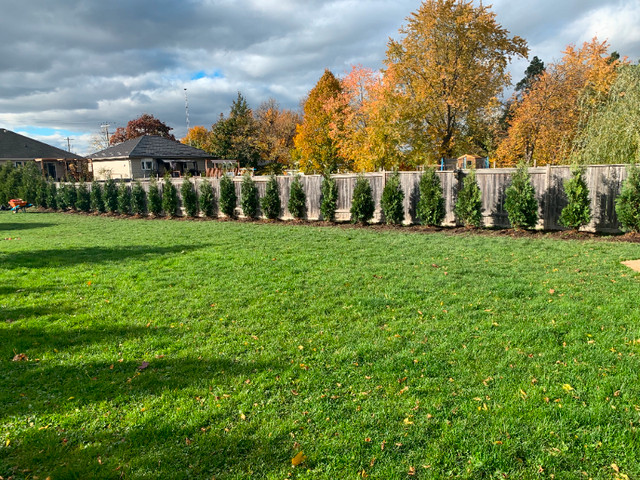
[604,183]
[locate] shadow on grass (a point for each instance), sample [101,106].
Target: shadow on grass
[12,226]
[63,381]
[64,257]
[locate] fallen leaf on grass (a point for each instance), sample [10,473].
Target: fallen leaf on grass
[566,387]
[412,471]
[143,365]
[298,459]
[20,357]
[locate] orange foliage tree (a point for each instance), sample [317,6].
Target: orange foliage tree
[545,122]
[448,69]
[315,147]
[198,137]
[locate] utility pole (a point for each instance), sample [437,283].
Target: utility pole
[186,108]
[105,126]
[69,144]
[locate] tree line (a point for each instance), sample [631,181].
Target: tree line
[437,97]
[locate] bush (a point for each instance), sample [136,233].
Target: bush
[249,197]
[124,199]
[189,197]
[5,173]
[41,195]
[30,178]
[61,197]
[111,195]
[520,200]
[468,208]
[97,201]
[577,213]
[362,205]
[155,199]
[328,198]
[297,199]
[52,195]
[228,197]
[270,203]
[392,200]
[71,195]
[207,198]
[138,199]
[169,197]
[628,203]
[430,209]
[84,198]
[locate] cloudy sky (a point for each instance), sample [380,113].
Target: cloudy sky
[69,66]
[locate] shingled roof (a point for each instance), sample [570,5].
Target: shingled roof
[150,146]
[14,146]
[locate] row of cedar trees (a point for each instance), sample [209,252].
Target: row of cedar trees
[520,202]
[437,96]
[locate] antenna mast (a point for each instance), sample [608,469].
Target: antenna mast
[186,108]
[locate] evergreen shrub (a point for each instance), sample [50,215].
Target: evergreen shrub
[329,198]
[249,197]
[228,197]
[577,213]
[430,208]
[520,200]
[297,199]
[628,202]
[468,208]
[270,203]
[392,200]
[362,204]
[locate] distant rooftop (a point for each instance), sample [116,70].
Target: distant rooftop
[150,146]
[14,146]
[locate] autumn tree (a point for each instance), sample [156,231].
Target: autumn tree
[276,129]
[449,67]
[362,121]
[545,122]
[144,125]
[315,147]
[197,137]
[235,137]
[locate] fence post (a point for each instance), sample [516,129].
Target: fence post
[546,214]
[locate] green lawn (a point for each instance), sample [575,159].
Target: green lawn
[181,349]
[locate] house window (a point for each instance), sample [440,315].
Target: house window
[17,164]
[147,164]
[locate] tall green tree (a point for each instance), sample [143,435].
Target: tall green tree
[297,199]
[362,204]
[235,137]
[169,197]
[328,198]
[138,199]
[449,67]
[249,197]
[97,200]
[228,197]
[315,147]
[628,203]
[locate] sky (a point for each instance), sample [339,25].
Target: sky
[67,67]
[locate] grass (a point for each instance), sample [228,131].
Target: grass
[383,354]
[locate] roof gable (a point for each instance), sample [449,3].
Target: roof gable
[14,146]
[150,146]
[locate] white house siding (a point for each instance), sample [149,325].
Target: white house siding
[117,169]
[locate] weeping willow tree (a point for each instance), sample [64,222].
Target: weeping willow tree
[612,133]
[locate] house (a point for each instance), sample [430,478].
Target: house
[54,162]
[151,155]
